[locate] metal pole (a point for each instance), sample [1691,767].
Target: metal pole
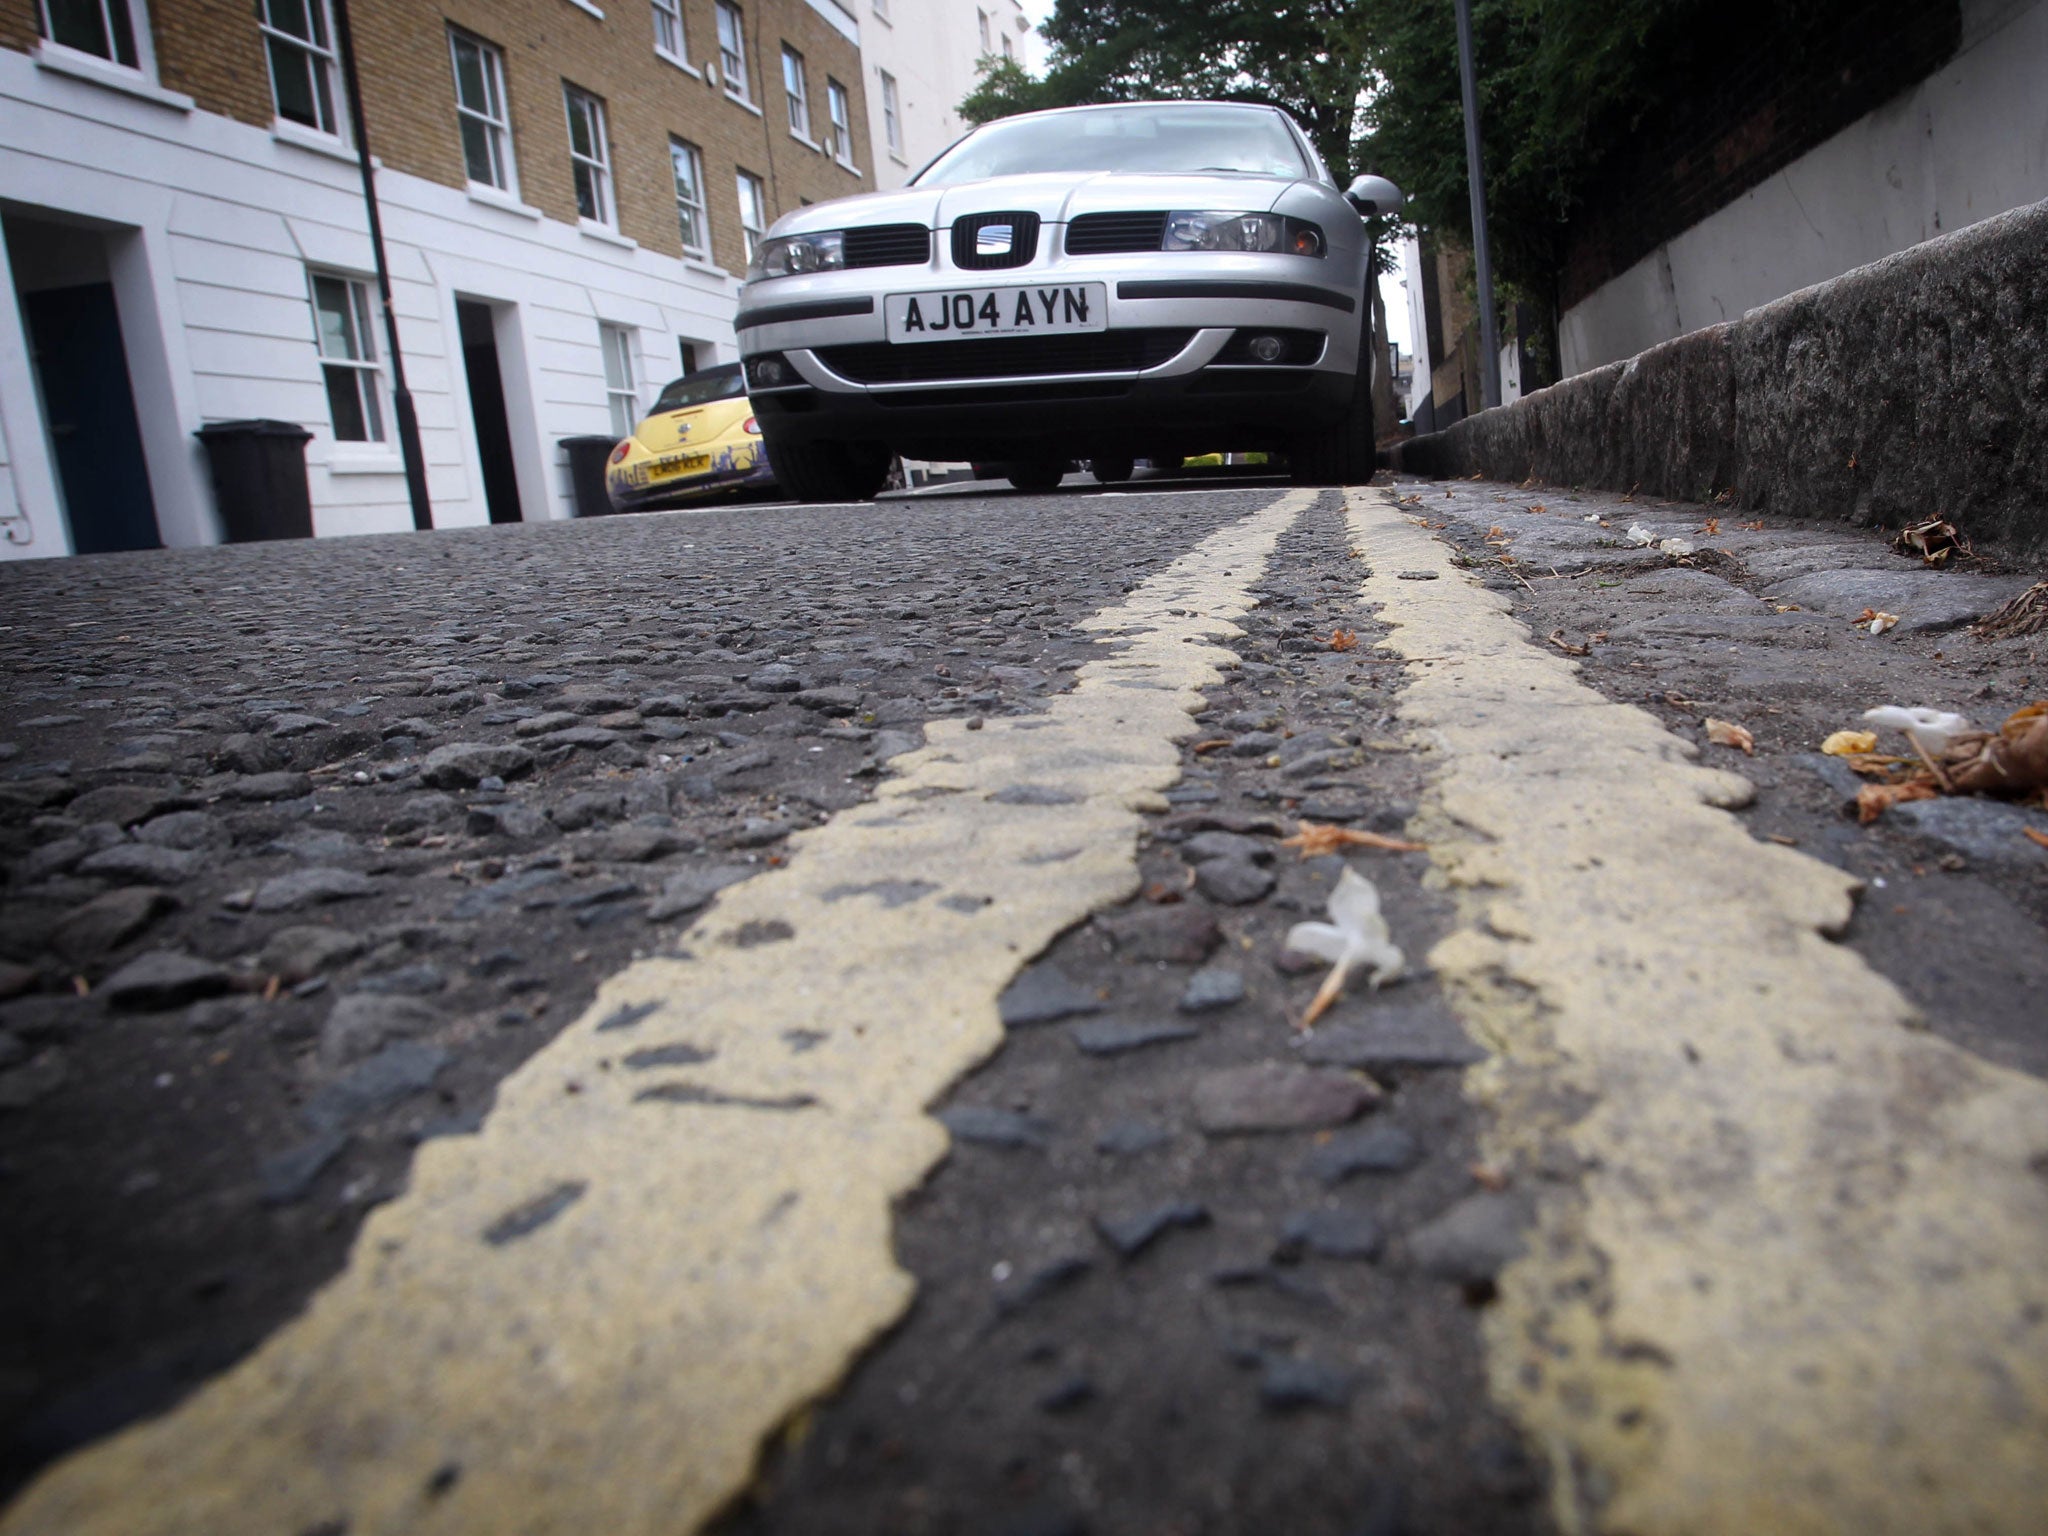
[1475,175]
[401,397]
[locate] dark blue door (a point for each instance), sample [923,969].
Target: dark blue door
[75,334]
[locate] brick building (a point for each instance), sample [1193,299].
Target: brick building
[569,190]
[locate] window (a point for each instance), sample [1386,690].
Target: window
[1009,50]
[619,390]
[732,49]
[587,157]
[981,17]
[689,169]
[882,9]
[799,98]
[348,358]
[104,28]
[668,30]
[753,212]
[689,351]
[301,48]
[480,109]
[841,143]
[892,125]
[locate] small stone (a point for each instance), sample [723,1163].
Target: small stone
[1132,1235]
[214,1014]
[588,807]
[189,830]
[1396,1038]
[1046,1280]
[1127,1138]
[1474,1240]
[687,892]
[1068,1394]
[420,980]
[829,701]
[268,786]
[1254,744]
[757,832]
[1330,1235]
[125,804]
[775,678]
[362,1022]
[1279,1096]
[994,1127]
[1114,1037]
[107,922]
[1045,994]
[547,723]
[1416,575]
[312,886]
[520,823]
[246,754]
[1287,1384]
[888,744]
[286,1177]
[141,864]
[1178,935]
[460,764]
[593,699]
[1213,986]
[1377,1149]
[633,843]
[1333,807]
[1233,882]
[163,979]
[1034,794]
[1226,845]
[300,953]
[399,1069]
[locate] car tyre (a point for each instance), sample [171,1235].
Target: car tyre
[1344,452]
[1036,474]
[1112,471]
[829,471]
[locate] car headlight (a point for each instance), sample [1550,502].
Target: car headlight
[1211,231]
[788,255]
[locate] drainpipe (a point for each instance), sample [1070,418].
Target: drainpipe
[401,397]
[1475,175]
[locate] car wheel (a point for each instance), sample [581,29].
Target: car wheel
[829,471]
[1036,474]
[1112,471]
[1343,452]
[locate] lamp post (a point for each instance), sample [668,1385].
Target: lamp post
[1475,176]
[401,397]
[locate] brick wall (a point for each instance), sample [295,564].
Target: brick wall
[212,50]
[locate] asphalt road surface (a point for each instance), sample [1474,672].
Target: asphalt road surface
[782,1020]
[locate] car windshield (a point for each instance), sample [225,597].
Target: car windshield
[720,383]
[1138,138]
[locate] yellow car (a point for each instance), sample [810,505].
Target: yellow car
[700,438]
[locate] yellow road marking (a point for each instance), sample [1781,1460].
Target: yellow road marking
[585,1318]
[1795,1279]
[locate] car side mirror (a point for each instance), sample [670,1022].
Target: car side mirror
[1374,194]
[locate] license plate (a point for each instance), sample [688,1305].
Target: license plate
[668,469]
[1053,309]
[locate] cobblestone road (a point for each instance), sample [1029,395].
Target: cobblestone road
[310,846]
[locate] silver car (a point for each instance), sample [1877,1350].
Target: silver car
[1103,283]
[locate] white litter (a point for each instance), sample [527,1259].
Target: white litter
[1676,546]
[1355,935]
[1638,534]
[1930,729]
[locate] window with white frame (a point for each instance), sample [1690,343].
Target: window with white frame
[480,109]
[348,357]
[1009,49]
[753,211]
[882,9]
[840,105]
[669,41]
[104,28]
[892,124]
[732,49]
[300,43]
[690,213]
[981,17]
[588,158]
[620,391]
[799,94]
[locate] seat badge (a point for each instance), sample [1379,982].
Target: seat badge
[994,239]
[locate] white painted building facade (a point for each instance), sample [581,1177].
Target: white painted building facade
[922,60]
[211,230]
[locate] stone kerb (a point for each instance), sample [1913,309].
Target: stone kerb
[1913,387]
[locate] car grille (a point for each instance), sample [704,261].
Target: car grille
[889,245]
[1006,357]
[1023,241]
[1098,234]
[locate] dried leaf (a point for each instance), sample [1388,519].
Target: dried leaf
[1213,744]
[1539,507]
[1497,535]
[1876,621]
[1713,528]
[2036,835]
[2014,761]
[1557,639]
[1726,733]
[1840,744]
[1315,839]
[1343,639]
[1873,800]
[1355,935]
[1934,541]
[2026,614]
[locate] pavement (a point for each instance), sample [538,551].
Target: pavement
[782,1020]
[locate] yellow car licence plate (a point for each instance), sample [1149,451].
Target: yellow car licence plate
[689,464]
